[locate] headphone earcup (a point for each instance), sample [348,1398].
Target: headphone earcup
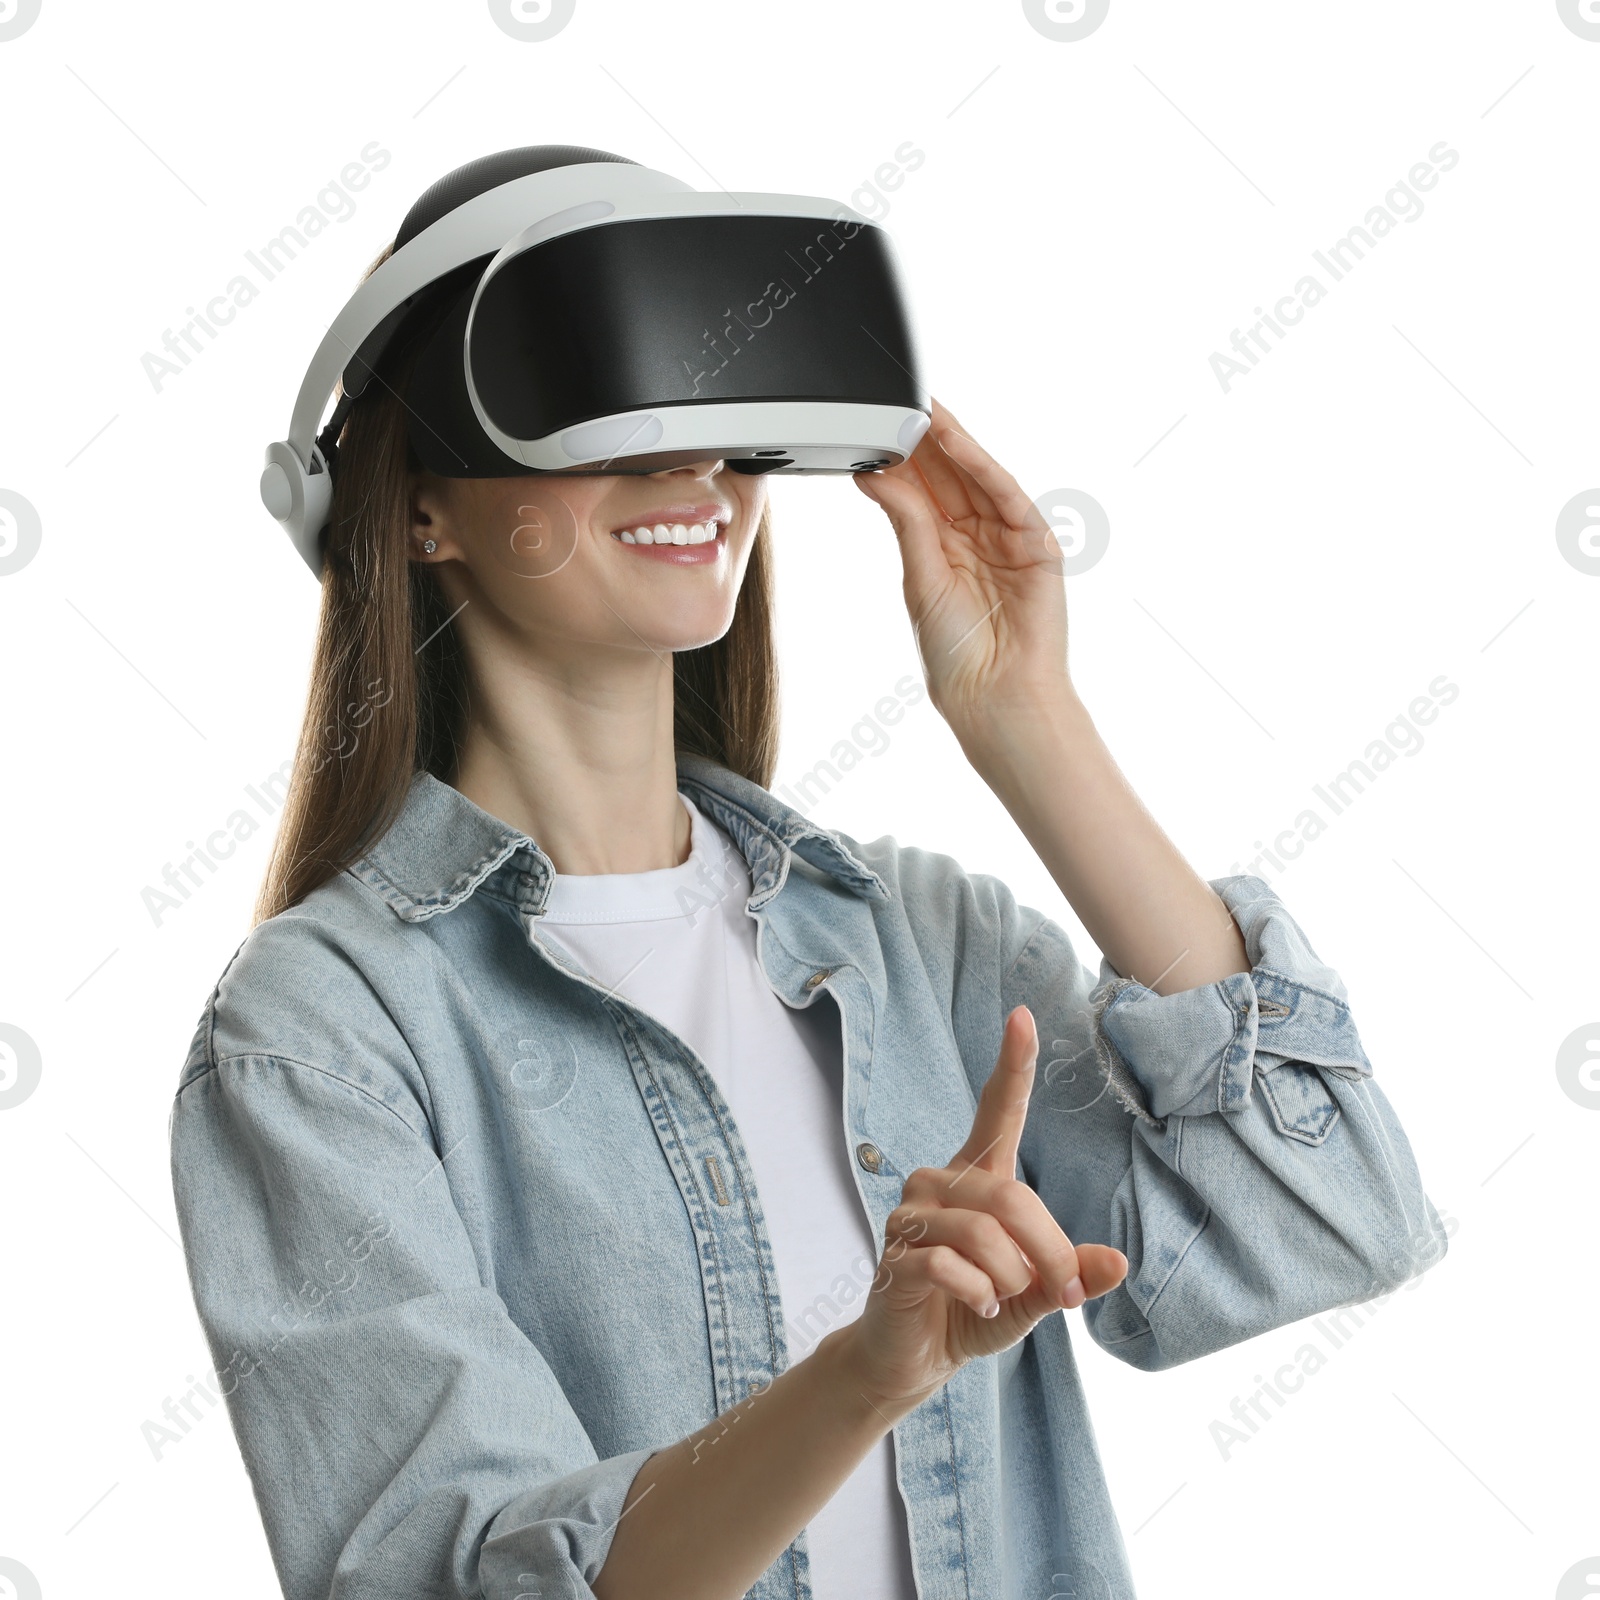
[301,501]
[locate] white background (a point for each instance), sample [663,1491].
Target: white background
[1293,563]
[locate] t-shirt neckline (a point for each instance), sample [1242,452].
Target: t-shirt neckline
[667,892]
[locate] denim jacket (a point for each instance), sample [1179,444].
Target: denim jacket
[471,1237]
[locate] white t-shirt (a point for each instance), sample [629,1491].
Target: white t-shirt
[679,944]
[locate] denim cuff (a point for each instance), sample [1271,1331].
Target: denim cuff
[554,1539]
[1200,1050]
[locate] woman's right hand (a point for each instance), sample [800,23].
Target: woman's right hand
[966,1237]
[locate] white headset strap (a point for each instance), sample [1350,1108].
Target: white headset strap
[478,227]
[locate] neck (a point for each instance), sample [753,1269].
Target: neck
[579,754]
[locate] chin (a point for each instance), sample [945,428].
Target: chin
[691,641]
[685,633]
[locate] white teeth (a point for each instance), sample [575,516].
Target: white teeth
[672,533]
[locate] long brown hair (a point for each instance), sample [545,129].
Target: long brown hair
[389,692]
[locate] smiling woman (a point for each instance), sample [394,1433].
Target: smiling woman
[390,604]
[634,1064]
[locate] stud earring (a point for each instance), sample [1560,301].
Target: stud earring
[429,546]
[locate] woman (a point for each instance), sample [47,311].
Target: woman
[587,1164]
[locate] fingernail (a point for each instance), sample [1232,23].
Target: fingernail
[1074,1295]
[992,1309]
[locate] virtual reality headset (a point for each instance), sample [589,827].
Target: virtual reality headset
[591,315]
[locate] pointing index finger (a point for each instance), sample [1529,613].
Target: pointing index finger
[996,1135]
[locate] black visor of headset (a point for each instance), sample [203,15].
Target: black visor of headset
[607,318]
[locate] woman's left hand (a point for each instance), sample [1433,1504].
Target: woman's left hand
[983,580]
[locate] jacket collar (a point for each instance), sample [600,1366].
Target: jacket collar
[442,846]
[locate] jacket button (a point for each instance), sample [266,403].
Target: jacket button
[869,1156]
[818,978]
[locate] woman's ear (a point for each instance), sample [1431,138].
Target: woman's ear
[430,518]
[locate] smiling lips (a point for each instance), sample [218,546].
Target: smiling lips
[680,543]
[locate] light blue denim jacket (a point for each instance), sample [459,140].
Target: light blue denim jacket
[470,1237]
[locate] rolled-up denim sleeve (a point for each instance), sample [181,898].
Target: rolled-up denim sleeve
[1229,1139]
[403,1436]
